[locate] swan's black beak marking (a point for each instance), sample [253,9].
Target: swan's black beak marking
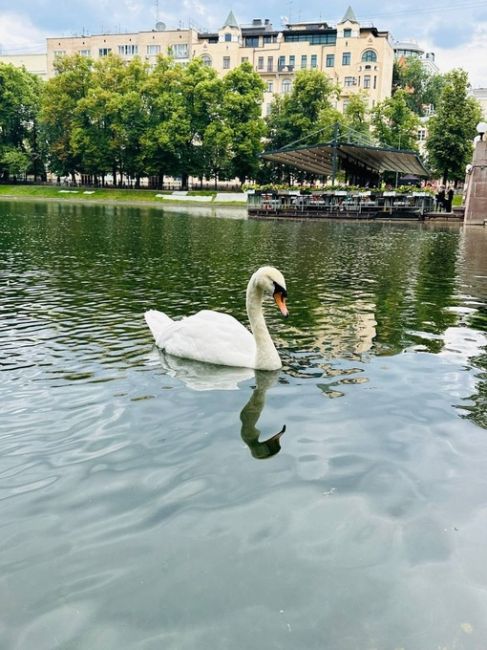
[280,295]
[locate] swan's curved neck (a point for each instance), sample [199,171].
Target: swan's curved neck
[267,357]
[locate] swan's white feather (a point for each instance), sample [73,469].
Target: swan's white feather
[208,336]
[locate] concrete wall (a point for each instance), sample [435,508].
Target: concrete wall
[476,201]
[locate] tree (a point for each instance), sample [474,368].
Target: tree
[305,116]
[452,129]
[243,91]
[20,94]
[110,120]
[356,117]
[60,115]
[394,123]
[15,162]
[422,87]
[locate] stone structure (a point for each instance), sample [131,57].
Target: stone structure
[476,200]
[480,95]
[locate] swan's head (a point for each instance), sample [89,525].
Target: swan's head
[271,281]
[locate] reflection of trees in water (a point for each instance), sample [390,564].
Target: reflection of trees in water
[352,287]
[473,276]
[477,408]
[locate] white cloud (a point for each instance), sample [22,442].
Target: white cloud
[471,56]
[18,34]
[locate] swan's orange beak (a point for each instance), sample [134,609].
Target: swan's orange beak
[280,301]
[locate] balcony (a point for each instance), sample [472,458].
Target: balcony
[283,69]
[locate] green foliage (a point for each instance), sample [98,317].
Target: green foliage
[452,129]
[303,117]
[306,115]
[421,87]
[356,114]
[243,91]
[15,162]
[20,94]
[394,123]
[60,115]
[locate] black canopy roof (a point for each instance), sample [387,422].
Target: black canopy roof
[318,159]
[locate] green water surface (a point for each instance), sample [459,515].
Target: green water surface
[145,504]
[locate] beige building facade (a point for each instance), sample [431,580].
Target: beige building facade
[146,45]
[358,58]
[34,63]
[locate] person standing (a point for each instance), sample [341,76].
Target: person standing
[440,199]
[449,200]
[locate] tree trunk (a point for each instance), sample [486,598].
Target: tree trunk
[184,181]
[114,174]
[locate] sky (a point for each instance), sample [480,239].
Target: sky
[455,31]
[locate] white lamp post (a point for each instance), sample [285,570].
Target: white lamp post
[482,129]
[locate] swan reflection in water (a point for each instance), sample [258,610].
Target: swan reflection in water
[204,376]
[250,415]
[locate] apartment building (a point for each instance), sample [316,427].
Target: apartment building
[357,57]
[34,63]
[146,45]
[404,50]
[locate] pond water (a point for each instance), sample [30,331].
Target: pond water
[138,510]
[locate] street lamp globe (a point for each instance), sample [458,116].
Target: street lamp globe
[482,129]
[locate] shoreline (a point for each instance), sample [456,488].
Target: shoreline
[129,202]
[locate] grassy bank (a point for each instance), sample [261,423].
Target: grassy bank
[108,195]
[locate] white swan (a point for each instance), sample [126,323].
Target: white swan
[213,337]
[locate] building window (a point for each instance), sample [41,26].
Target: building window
[58,53]
[369,56]
[270,63]
[375,82]
[260,63]
[367,81]
[350,81]
[314,60]
[206,60]
[228,38]
[330,60]
[152,50]
[422,135]
[281,62]
[104,51]
[179,50]
[347,33]
[328,38]
[346,58]
[292,60]
[304,61]
[127,50]
[251,41]
[346,102]
[85,52]
[268,109]
[244,59]
[270,39]
[226,63]
[270,86]
[286,86]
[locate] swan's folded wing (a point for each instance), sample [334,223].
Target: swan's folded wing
[211,337]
